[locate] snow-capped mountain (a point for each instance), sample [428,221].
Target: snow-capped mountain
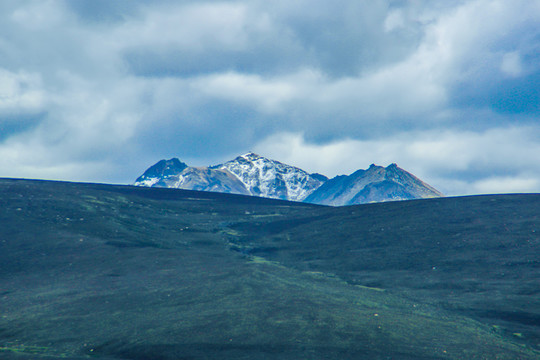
[161,174]
[252,174]
[270,178]
[376,184]
[249,174]
[175,174]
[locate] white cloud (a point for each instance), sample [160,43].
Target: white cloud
[459,46]
[39,15]
[338,75]
[456,162]
[29,157]
[394,20]
[21,92]
[403,90]
[88,125]
[407,88]
[267,95]
[467,40]
[511,64]
[506,184]
[195,26]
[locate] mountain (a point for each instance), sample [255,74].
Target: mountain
[376,184]
[272,179]
[104,272]
[248,174]
[252,174]
[175,174]
[161,174]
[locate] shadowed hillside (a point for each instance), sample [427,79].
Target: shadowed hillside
[118,272]
[478,256]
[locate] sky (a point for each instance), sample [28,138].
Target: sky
[100,90]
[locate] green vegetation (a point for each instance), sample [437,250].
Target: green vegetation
[22,351]
[20,348]
[113,272]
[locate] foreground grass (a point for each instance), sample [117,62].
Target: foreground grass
[90,271]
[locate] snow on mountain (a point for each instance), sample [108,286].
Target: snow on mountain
[175,174]
[252,174]
[161,173]
[270,178]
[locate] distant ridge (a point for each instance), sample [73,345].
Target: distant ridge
[252,174]
[376,184]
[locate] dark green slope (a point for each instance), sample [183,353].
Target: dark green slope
[111,272]
[479,256]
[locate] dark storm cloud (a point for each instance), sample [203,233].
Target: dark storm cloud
[99,90]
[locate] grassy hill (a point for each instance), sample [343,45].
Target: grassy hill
[119,272]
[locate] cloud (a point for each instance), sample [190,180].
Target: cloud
[100,90]
[21,93]
[506,184]
[39,15]
[265,95]
[482,42]
[511,64]
[456,162]
[357,106]
[81,134]
[191,26]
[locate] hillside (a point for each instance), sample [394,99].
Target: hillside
[121,272]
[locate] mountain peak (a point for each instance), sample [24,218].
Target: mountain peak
[375,184]
[251,156]
[161,170]
[374,167]
[253,174]
[270,178]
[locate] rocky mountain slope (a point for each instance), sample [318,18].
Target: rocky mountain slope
[272,179]
[376,184]
[175,174]
[252,174]
[248,174]
[161,174]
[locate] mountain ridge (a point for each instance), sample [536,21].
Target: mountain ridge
[270,178]
[376,184]
[252,174]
